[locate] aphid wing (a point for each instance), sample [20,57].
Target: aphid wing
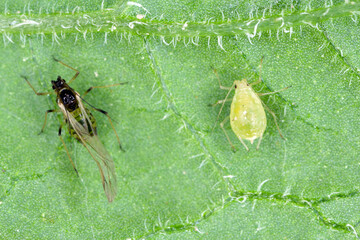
[105,164]
[84,113]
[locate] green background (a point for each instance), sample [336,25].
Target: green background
[179,178]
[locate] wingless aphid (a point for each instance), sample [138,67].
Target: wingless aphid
[247,115]
[82,126]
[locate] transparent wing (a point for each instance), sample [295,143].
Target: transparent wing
[97,151]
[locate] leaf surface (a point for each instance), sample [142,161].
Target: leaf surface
[178,177]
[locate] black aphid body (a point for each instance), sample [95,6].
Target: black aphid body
[82,126]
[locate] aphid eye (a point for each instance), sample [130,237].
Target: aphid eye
[235,86]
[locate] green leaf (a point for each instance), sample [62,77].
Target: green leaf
[178,177]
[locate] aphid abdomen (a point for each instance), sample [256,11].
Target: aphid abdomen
[84,122]
[247,115]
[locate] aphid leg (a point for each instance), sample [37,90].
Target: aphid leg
[77,71]
[247,149]
[263,94]
[274,116]
[112,85]
[258,81]
[67,152]
[222,106]
[219,102]
[217,76]
[37,93]
[106,114]
[46,113]
[222,127]
[258,145]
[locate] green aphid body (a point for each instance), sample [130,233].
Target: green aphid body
[247,115]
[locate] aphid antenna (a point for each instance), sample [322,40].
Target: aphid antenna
[259,80]
[64,64]
[231,72]
[37,93]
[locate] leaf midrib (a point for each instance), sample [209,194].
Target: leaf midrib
[112,21]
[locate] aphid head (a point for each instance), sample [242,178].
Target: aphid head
[58,84]
[240,84]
